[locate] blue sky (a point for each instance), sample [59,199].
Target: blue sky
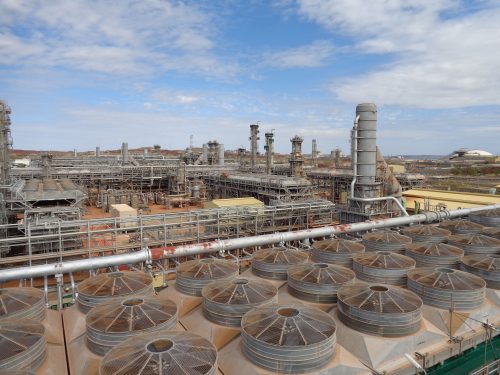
[83,73]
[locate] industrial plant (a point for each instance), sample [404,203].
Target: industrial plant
[212,260]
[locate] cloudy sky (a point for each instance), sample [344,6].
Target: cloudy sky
[81,73]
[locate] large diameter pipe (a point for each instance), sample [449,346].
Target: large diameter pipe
[366,149]
[220,157]
[74,265]
[229,244]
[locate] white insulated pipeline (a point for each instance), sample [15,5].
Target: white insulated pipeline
[148,255]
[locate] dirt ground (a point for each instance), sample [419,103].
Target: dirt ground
[96,213]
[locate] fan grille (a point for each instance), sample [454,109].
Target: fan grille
[385,241]
[486,266]
[22,303]
[273,263]
[429,254]
[460,226]
[103,287]
[288,338]
[427,233]
[475,243]
[113,322]
[383,267]
[162,353]
[336,251]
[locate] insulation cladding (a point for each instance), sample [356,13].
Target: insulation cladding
[336,251]
[162,353]
[225,302]
[318,282]
[446,288]
[489,218]
[486,266]
[22,344]
[22,303]
[380,310]
[273,263]
[430,254]
[103,287]
[115,321]
[475,243]
[290,339]
[193,275]
[384,240]
[383,267]
[427,233]
[461,226]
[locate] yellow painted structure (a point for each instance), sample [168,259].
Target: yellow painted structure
[434,200]
[234,202]
[397,168]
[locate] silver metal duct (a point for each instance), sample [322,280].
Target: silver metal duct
[160,354]
[318,282]
[381,310]
[384,240]
[193,275]
[225,302]
[273,263]
[446,288]
[427,233]
[269,147]
[336,251]
[22,303]
[23,345]
[382,267]
[254,143]
[106,286]
[117,320]
[486,266]
[147,255]
[289,339]
[431,254]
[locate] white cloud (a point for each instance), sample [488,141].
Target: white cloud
[443,56]
[308,56]
[104,36]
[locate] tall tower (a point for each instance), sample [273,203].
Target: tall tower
[254,143]
[314,153]
[269,152]
[296,159]
[5,143]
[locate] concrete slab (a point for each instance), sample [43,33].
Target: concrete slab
[184,302]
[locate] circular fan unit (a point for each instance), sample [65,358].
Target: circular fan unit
[446,288]
[336,251]
[225,302]
[101,288]
[383,267]
[288,339]
[22,303]
[115,321]
[22,345]
[427,233]
[475,243]
[160,354]
[461,226]
[193,275]
[382,310]
[318,282]
[429,254]
[489,218]
[385,241]
[486,266]
[273,263]
[492,232]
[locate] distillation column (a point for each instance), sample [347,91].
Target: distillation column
[269,152]
[124,153]
[220,158]
[314,153]
[5,143]
[254,143]
[296,159]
